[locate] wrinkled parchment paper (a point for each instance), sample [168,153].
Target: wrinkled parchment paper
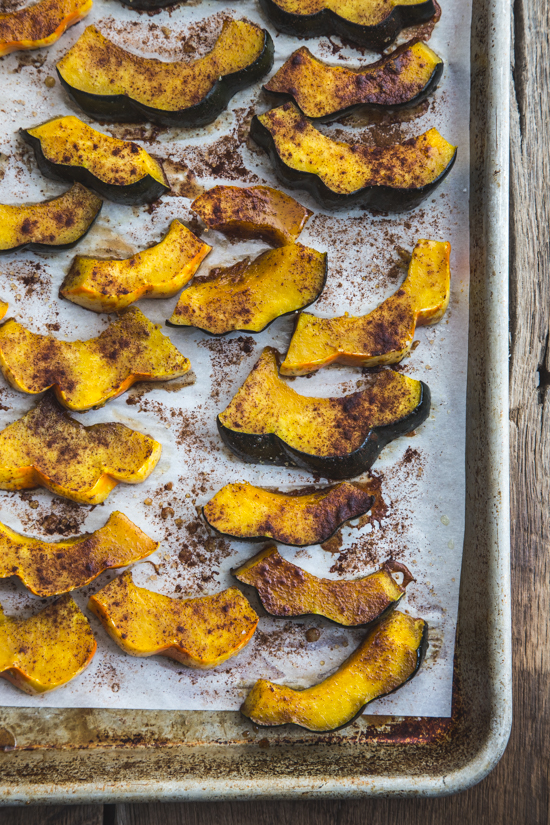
[421,518]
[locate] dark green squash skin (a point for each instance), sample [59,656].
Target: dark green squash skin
[143,191]
[254,331]
[420,653]
[429,88]
[121,108]
[50,247]
[270,449]
[384,198]
[326,22]
[150,5]
[258,539]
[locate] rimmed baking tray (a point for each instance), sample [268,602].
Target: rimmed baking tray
[100,755]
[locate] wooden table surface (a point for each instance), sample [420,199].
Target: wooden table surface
[517,791]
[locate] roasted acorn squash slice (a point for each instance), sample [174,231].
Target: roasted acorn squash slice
[287,590]
[248,296]
[199,633]
[340,174]
[384,336]
[268,422]
[47,448]
[119,170]
[242,511]
[39,25]
[403,78]
[390,656]
[371,23]
[59,223]
[48,569]
[158,272]
[86,374]
[110,83]
[252,212]
[46,650]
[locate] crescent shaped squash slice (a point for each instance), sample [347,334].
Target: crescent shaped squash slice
[39,25]
[55,224]
[384,336]
[252,212]
[158,272]
[110,83]
[118,170]
[338,174]
[86,374]
[242,511]
[371,23]
[268,422]
[48,569]
[47,448]
[388,658]
[46,650]
[322,92]
[200,633]
[250,295]
[287,590]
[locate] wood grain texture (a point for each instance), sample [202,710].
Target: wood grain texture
[54,815]
[517,792]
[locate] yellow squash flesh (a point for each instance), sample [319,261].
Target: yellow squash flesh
[47,650]
[362,12]
[389,656]
[246,512]
[321,90]
[318,426]
[97,66]
[85,374]
[47,448]
[250,295]
[60,221]
[68,141]
[39,25]
[48,569]
[158,272]
[252,212]
[346,168]
[384,336]
[287,590]
[199,633]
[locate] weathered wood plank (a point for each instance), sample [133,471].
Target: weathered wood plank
[54,815]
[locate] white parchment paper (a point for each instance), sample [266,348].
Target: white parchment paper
[421,478]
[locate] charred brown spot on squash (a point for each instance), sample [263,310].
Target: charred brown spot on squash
[46,650]
[201,633]
[252,212]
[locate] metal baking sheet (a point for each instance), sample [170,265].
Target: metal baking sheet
[207,755]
